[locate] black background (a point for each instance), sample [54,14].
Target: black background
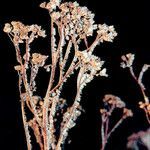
[132,24]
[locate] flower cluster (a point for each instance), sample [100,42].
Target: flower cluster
[114,100]
[38,59]
[51,6]
[106,33]
[91,62]
[18,68]
[111,103]
[78,21]
[127,113]
[145,106]
[127,60]
[19,32]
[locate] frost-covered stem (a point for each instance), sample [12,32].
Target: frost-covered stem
[54,62]
[27,56]
[65,129]
[37,133]
[51,124]
[69,71]
[53,53]
[50,136]
[139,83]
[66,56]
[24,77]
[86,43]
[27,134]
[73,108]
[52,41]
[27,87]
[18,56]
[29,146]
[46,132]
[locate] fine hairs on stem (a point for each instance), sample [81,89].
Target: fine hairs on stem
[74,24]
[111,103]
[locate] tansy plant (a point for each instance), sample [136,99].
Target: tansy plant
[73,24]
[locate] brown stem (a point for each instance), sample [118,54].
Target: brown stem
[29,146]
[147,115]
[116,125]
[72,109]
[141,86]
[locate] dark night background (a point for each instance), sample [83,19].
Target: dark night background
[132,24]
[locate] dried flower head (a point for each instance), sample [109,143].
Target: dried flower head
[38,59]
[114,100]
[111,103]
[77,20]
[91,62]
[7,28]
[19,32]
[102,111]
[127,113]
[51,6]
[18,68]
[106,33]
[145,106]
[127,60]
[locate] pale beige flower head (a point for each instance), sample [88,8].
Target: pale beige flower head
[128,60]
[18,68]
[78,21]
[114,100]
[127,113]
[51,5]
[20,32]
[106,33]
[38,59]
[91,62]
[7,28]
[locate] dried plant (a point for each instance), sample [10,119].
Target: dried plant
[141,138]
[111,104]
[128,61]
[71,24]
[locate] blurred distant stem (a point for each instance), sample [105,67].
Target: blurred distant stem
[104,130]
[139,82]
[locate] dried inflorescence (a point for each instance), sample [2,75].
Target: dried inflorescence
[78,21]
[38,59]
[128,61]
[20,32]
[73,24]
[111,103]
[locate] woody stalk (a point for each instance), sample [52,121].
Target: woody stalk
[71,24]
